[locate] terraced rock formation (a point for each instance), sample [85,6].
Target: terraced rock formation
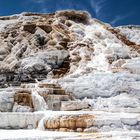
[68,76]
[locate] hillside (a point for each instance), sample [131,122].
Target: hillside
[68,72]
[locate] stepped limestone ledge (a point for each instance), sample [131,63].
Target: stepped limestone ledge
[66,75]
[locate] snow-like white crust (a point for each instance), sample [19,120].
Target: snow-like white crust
[103,75]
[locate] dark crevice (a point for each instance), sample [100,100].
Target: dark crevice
[63,69]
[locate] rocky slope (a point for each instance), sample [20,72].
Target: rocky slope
[68,72]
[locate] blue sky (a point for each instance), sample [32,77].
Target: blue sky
[115,12]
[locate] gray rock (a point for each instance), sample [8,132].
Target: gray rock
[6,101]
[129,121]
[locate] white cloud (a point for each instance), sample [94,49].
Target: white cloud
[97,6]
[39,1]
[119,18]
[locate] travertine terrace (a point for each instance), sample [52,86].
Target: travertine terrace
[67,75]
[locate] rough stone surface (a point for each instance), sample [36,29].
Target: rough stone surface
[69,61]
[69,122]
[74,105]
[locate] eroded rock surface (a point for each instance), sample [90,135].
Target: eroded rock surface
[68,72]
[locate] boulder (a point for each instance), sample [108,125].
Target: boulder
[78,16]
[30,27]
[46,27]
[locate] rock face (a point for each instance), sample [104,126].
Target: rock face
[91,122]
[132,32]
[30,50]
[68,72]
[69,122]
